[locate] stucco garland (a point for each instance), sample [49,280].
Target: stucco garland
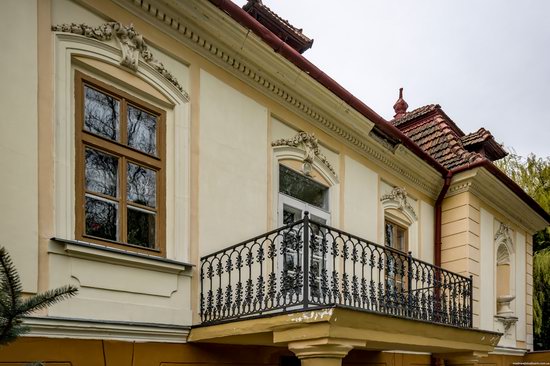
[310,145]
[131,44]
[398,196]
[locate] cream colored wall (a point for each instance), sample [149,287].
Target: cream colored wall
[460,240]
[427,225]
[113,286]
[360,200]
[233,168]
[487,272]
[120,291]
[18,148]
[468,222]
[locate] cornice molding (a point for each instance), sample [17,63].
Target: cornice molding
[493,193]
[53,327]
[131,43]
[170,16]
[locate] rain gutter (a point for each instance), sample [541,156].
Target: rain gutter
[280,47]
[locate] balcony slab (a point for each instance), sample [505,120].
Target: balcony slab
[367,331]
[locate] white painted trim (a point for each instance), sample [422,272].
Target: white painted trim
[51,327]
[508,351]
[521,287]
[293,153]
[105,254]
[487,289]
[389,204]
[178,164]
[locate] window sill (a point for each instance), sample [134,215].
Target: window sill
[86,250]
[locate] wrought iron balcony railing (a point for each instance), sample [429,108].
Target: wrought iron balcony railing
[306,264]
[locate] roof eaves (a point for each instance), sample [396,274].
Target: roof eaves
[508,182]
[279,46]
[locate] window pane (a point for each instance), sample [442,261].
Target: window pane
[400,239]
[388,234]
[101,218]
[101,172]
[303,188]
[142,130]
[101,114]
[141,228]
[142,185]
[291,214]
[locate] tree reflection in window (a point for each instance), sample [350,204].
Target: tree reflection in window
[141,185]
[142,130]
[101,173]
[141,227]
[301,187]
[101,218]
[101,114]
[120,167]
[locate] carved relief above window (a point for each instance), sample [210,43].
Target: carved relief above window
[131,43]
[310,145]
[398,199]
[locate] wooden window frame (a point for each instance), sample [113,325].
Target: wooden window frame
[402,227]
[125,154]
[395,277]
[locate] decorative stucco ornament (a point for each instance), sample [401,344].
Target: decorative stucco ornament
[503,234]
[310,144]
[399,195]
[131,44]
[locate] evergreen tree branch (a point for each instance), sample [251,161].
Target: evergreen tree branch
[46,299]
[13,307]
[11,284]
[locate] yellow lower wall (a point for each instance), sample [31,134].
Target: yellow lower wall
[77,352]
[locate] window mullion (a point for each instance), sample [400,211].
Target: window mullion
[123,122]
[123,203]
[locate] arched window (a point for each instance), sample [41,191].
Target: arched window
[304,181]
[399,221]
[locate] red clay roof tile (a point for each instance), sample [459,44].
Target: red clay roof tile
[437,135]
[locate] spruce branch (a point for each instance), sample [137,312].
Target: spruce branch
[46,299]
[13,307]
[10,283]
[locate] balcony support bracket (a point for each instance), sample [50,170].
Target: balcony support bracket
[326,351]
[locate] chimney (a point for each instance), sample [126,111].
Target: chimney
[400,107]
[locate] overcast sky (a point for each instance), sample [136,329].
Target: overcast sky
[486,62]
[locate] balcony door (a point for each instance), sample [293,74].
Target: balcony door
[395,237]
[299,194]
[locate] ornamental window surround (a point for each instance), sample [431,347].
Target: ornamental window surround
[148,87]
